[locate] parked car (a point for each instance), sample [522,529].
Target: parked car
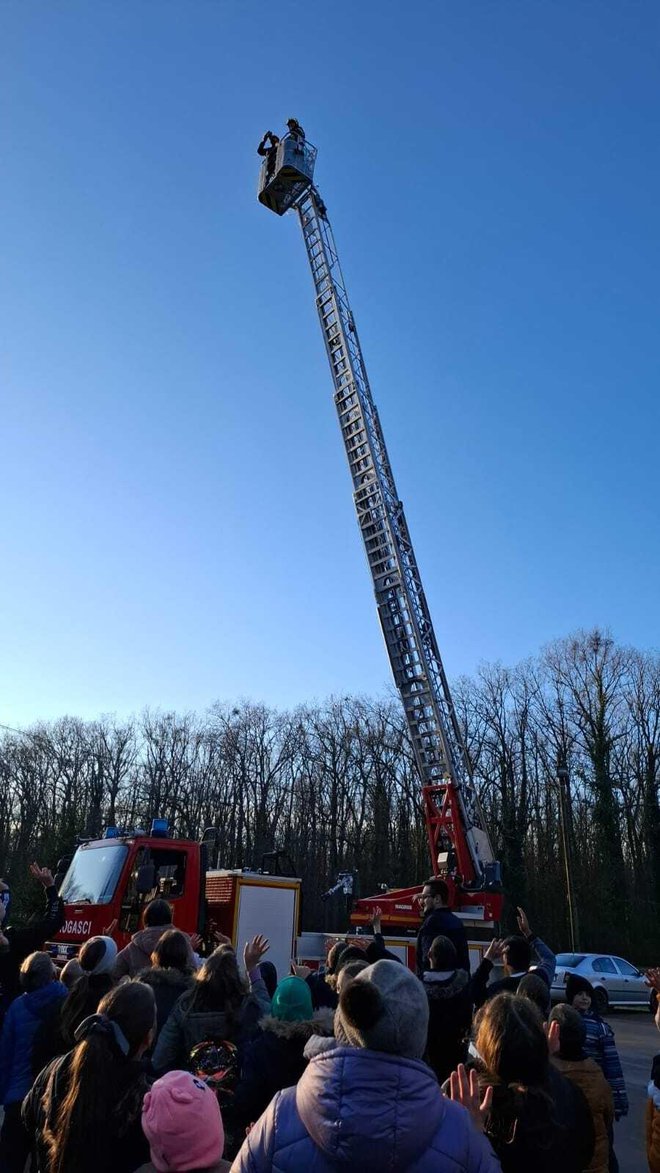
[616,982]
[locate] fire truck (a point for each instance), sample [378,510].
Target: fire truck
[110,879]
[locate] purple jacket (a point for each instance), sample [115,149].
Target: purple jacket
[365,1111]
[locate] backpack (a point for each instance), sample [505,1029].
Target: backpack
[216,1064]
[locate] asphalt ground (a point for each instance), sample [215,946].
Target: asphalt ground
[637,1041]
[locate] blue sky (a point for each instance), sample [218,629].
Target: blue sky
[177,522]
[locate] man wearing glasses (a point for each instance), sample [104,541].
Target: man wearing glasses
[439,921]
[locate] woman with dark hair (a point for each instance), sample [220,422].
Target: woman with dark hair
[170,974]
[537,1119]
[220,1006]
[84,1109]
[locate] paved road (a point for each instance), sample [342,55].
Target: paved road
[638,1041]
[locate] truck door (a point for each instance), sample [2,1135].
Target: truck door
[170,881]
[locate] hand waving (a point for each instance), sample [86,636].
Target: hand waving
[494,951]
[43,875]
[523,923]
[466,1092]
[254,951]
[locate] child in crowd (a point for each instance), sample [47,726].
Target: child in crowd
[84,1109]
[370,1103]
[182,1122]
[585,1073]
[599,1044]
[39,1002]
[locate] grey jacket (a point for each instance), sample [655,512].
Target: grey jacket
[187,1026]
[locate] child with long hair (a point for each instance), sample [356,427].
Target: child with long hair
[84,1108]
[221,1005]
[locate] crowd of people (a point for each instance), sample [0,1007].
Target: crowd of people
[154,1058]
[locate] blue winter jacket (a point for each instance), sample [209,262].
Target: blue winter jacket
[368,1112]
[22,1020]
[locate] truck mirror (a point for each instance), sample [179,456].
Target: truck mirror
[145,880]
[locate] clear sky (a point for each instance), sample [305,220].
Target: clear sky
[176,516]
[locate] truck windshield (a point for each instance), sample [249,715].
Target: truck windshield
[93,875]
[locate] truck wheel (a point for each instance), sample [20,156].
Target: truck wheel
[601,1001]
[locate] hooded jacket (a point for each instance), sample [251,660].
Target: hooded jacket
[168,985]
[137,954]
[588,1077]
[275,1059]
[186,1026]
[22,1021]
[356,1109]
[450,1018]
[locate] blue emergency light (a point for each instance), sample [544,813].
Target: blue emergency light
[111,833]
[159,828]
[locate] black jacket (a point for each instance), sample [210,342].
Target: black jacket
[24,940]
[441,922]
[376,950]
[551,1128]
[451,1005]
[545,969]
[323,995]
[122,1148]
[168,985]
[272,1061]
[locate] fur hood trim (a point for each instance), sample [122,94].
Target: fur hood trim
[321,1023]
[154,976]
[445,989]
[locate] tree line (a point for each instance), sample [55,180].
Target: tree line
[335,786]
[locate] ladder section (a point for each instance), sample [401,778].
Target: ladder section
[452,808]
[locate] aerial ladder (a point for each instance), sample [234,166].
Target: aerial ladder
[458,840]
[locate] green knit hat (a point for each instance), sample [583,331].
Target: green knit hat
[292,1000]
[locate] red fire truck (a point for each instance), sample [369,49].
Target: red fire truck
[109,879]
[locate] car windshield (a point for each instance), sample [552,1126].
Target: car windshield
[93,875]
[570,960]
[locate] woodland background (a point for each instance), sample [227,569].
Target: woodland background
[334,785]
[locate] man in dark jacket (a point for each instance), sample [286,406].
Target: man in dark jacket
[452,996]
[439,921]
[18,941]
[517,954]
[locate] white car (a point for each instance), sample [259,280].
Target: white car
[616,982]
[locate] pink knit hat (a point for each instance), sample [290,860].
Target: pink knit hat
[182,1122]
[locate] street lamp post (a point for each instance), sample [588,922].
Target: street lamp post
[566,839]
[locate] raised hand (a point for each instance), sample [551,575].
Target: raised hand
[552,1031]
[523,923]
[195,942]
[376,919]
[43,875]
[220,938]
[111,928]
[494,951]
[465,1090]
[301,971]
[254,951]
